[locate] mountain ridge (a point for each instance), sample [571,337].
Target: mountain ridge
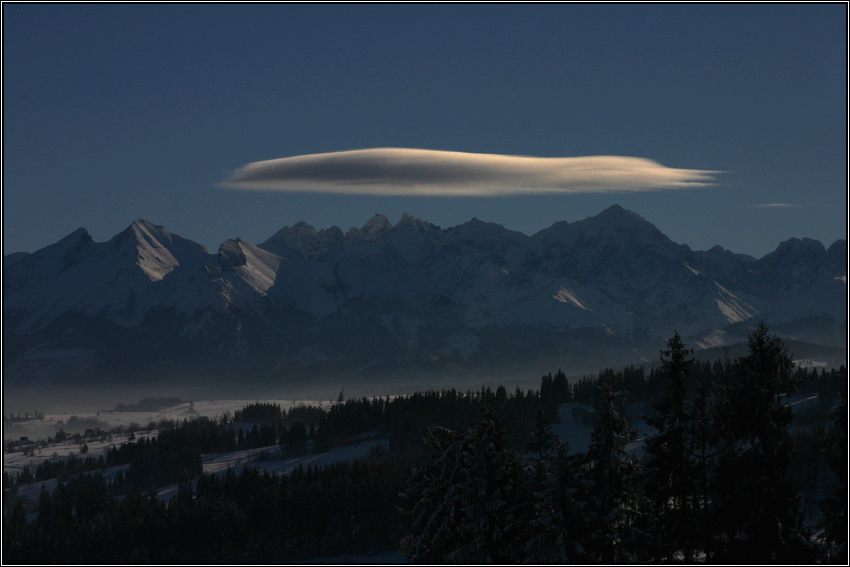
[410,296]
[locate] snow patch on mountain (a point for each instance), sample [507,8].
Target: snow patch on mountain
[564,295]
[153,258]
[713,339]
[734,309]
[257,269]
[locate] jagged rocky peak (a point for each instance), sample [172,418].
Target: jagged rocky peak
[618,217]
[78,239]
[75,243]
[376,226]
[298,240]
[837,249]
[148,230]
[331,234]
[71,245]
[720,251]
[608,224]
[303,241]
[140,231]
[797,247]
[230,255]
[415,223]
[144,224]
[615,220]
[302,229]
[795,251]
[288,236]
[153,249]
[49,260]
[78,235]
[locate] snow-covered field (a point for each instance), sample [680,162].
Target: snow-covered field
[40,429]
[14,462]
[47,427]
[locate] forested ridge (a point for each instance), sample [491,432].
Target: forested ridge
[479,476]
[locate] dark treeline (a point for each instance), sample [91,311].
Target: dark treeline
[62,469]
[150,404]
[723,479]
[405,420]
[644,386]
[264,413]
[253,516]
[27,416]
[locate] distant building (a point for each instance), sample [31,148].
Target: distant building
[23,442]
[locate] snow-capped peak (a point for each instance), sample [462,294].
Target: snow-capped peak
[230,255]
[414,222]
[376,226]
[150,243]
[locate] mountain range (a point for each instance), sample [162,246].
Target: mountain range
[385,300]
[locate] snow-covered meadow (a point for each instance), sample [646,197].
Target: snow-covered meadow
[264,458]
[42,428]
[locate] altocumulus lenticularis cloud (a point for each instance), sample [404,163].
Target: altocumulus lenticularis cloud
[402,171]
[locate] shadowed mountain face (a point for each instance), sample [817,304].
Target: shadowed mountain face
[386,300]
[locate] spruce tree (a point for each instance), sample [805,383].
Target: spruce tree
[430,497]
[541,444]
[470,504]
[757,503]
[672,482]
[610,495]
[834,506]
[557,514]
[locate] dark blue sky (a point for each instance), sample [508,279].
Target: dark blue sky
[114,113]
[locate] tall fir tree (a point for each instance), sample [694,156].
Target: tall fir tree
[672,484]
[610,494]
[470,504]
[540,447]
[834,506]
[756,502]
[558,516]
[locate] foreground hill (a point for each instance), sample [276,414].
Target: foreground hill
[409,299]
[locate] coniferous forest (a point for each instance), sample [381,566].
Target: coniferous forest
[729,474]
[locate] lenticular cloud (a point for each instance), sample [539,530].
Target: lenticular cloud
[399,171]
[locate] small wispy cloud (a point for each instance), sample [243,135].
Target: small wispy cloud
[400,171]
